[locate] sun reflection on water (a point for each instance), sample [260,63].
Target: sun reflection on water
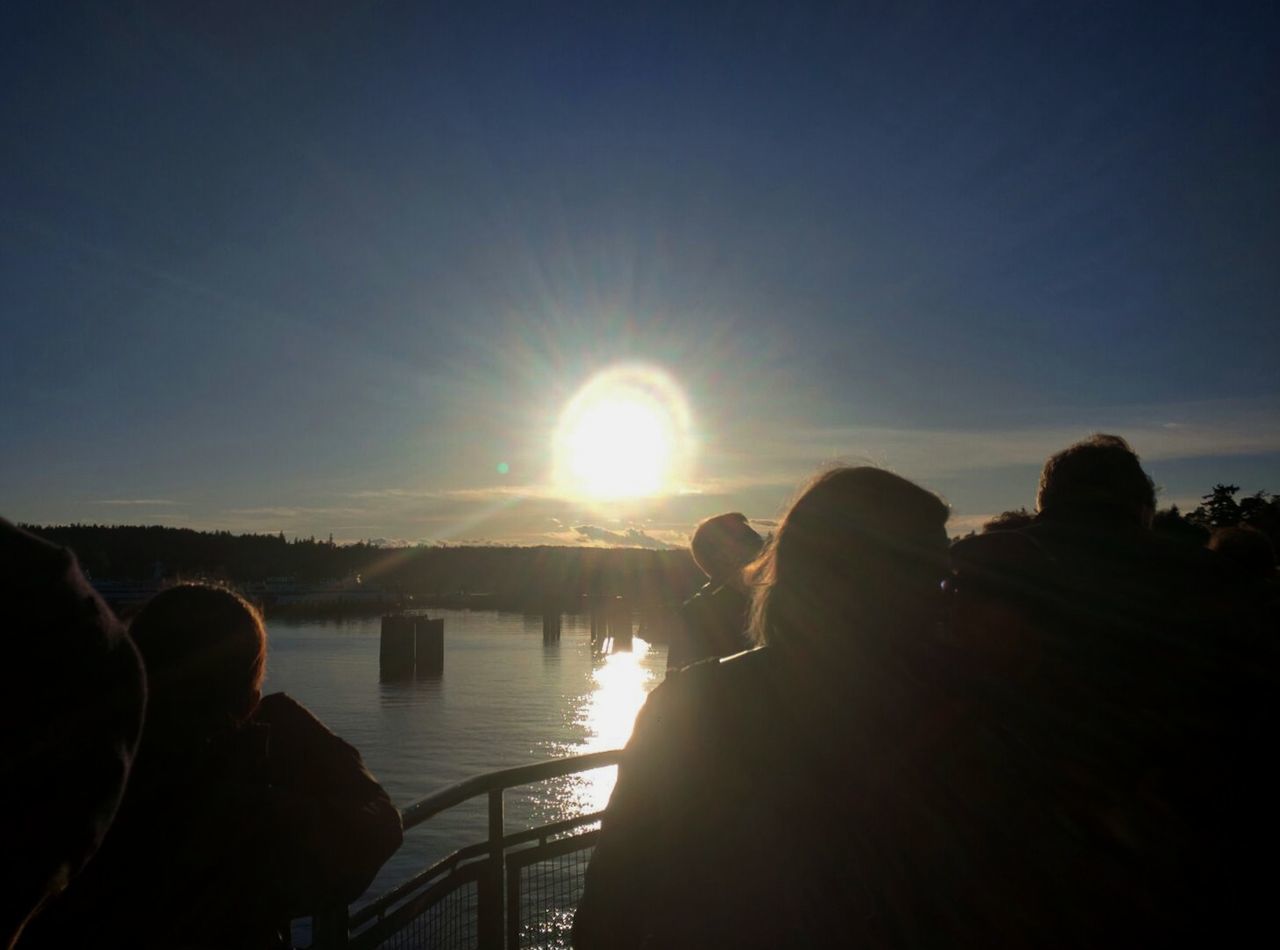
[621,682]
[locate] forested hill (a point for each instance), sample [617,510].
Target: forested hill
[512,573]
[515,573]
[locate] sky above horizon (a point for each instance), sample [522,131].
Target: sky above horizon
[339,268]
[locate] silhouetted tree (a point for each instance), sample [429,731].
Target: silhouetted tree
[1218,509]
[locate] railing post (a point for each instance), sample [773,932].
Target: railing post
[329,929]
[492,929]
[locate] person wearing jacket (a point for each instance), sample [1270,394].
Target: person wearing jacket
[244,811]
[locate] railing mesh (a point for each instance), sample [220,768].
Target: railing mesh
[549,894]
[448,924]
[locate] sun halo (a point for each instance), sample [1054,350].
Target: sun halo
[623,435]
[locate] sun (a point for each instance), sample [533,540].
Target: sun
[624,434]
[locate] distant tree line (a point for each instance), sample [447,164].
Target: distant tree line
[512,574]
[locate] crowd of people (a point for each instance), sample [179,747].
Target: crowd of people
[1054,733]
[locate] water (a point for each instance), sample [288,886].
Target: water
[504,699]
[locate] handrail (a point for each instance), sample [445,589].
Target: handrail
[485,859]
[459,792]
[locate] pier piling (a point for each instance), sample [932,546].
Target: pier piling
[620,624]
[396,649]
[551,626]
[428,644]
[410,645]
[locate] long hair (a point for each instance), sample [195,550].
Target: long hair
[860,548]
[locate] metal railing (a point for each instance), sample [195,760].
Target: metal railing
[490,895]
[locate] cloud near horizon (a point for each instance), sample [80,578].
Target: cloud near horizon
[979,472]
[135,502]
[629,538]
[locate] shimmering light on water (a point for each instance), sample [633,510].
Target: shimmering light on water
[505,698]
[621,683]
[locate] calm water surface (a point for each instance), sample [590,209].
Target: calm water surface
[504,699]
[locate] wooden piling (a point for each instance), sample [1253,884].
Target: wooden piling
[396,648]
[551,625]
[599,621]
[620,623]
[428,644]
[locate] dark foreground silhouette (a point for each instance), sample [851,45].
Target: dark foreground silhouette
[1075,757]
[1057,733]
[71,706]
[760,795]
[241,813]
[713,622]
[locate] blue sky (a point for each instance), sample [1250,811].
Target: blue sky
[321,267]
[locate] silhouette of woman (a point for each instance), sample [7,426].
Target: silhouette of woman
[755,804]
[243,811]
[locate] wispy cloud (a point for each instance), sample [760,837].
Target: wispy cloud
[292,512]
[485,493]
[135,502]
[630,537]
[1157,433]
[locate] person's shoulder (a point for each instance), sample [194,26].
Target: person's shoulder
[714,675]
[728,601]
[281,707]
[700,600]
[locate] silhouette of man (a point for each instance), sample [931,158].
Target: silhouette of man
[1150,697]
[713,622]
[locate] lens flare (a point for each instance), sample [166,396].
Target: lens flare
[625,434]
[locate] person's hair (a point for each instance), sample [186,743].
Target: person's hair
[723,544]
[860,547]
[205,651]
[1011,520]
[1101,475]
[1247,549]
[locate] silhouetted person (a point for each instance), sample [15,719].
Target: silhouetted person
[1250,561]
[1008,521]
[713,622]
[71,705]
[1247,550]
[1153,695]
[244,811]
[1000,590]
[1095,507]
[756,802]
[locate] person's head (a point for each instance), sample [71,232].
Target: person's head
[1100,477]
[1248,550]
[205,650]
[1000,592]
[860,549]
[1013,520]
[723,545]
[71,707]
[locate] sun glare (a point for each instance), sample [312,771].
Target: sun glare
[624,434]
